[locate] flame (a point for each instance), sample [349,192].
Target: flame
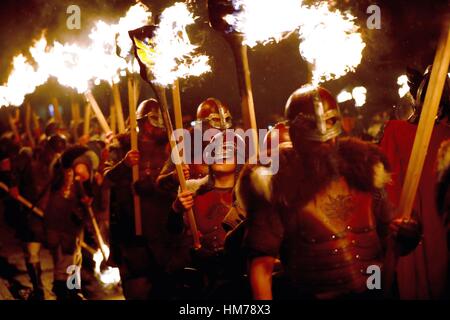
[264,21]
[402,81]
[108,276]
[69,64]
[330,41]
[359,95]
[75,66]
[343,96]
[174,55]
[136,16]
[103,51]
[23,79]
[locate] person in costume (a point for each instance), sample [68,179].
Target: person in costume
[323,214]
[422,274]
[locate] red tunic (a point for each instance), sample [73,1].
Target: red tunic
[210,209]
[422,274]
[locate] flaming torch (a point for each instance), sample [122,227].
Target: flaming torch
[171,33]
[104,48]
[329,39]
[427,119]
[136,16]
[23,80]
[257,21]
[402,81]
[109,275]
[359,95]
[218,11]
[343,96]
[438,77]
[165,55]
[74,66]
[107,39]
[173,57]
[330,42]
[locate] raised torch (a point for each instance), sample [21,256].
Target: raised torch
[143,49]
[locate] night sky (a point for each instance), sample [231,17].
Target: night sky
[408,37]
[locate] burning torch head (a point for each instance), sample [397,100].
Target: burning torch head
[213,112]
[418,90]
[143,45]
[313,115]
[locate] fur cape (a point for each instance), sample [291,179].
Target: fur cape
[196,185]
[362,164]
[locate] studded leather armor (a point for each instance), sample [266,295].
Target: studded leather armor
[331,241]
[210,209]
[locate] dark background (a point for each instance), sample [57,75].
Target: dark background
[408,37]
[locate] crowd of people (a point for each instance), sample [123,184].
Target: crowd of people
[315,229]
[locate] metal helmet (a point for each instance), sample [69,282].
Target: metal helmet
[419,87]
[150,109]
[312,108]
[215,113]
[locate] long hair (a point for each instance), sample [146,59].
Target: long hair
[304,173]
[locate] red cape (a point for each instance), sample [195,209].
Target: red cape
[422,274]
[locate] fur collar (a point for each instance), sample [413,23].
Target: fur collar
[194,185]
[362,164]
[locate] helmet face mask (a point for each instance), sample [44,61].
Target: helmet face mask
[215,114]
[220,120]
[316,112]
[149,110]
[155,119]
